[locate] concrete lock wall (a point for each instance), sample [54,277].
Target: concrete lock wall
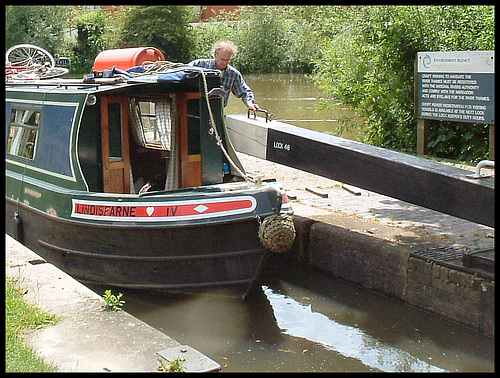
[384,263]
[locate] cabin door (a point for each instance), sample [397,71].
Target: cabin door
[188,122]
[115,144]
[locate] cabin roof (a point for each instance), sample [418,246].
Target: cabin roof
[65,85]
[119,79]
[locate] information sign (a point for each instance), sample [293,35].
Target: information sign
[456,86]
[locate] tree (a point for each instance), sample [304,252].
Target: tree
[90,41]
[165,27]
[270,39]
[367,63]
[38,25]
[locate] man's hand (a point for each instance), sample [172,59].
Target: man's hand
[253,107]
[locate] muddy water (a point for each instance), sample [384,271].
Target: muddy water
[303,321]
[294,99]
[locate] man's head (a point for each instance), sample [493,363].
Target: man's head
[223,52]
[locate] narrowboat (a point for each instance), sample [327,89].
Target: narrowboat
[127,179]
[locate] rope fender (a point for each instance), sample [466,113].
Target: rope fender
[277,233]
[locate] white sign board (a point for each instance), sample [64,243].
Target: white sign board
[456,86]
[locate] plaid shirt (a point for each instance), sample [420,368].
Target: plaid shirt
[231,81]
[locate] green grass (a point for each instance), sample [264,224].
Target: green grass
[20,317]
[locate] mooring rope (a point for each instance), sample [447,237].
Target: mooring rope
[277,233]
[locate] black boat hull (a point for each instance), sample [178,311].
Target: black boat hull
[187,259]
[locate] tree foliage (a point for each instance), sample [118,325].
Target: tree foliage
[91,28]
[270,39]
[367,63]
[165,27]
[269,49]
[38,25]
[360,56]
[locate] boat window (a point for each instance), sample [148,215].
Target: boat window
[23,132]
[115,131]
[193,106]
[152,122]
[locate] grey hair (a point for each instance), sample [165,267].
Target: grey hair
[225,45]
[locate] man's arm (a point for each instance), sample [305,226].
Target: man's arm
[243,90]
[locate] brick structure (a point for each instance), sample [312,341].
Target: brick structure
[457,295]
[208,12]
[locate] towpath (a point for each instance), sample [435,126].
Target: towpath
[316,196]
[89,338]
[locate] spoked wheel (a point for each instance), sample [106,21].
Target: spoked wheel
[53,72]
[30,62]
[29,56]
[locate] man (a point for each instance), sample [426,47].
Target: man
[231,78]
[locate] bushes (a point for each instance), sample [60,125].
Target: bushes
[361,56]
[162,26]
[35,24]
[367,63]
[207,33]
[270,39]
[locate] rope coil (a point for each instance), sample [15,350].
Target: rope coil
[277,233]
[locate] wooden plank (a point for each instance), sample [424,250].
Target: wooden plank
[423,182]
[351,189]
[250,140]
[189,165]
[105,145]
[116,173]
[317,191]
[192,171]
[182,135]
[423,129]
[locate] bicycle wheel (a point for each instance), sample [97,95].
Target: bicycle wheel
[28,56]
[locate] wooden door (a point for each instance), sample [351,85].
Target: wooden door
[115,144]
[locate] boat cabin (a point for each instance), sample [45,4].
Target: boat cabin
[110,136]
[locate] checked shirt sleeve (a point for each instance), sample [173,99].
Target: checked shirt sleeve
[233,81]
[241,89]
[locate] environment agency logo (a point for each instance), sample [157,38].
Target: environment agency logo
[427,61]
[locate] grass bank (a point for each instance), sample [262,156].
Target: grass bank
[21,317]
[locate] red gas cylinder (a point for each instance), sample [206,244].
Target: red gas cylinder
[126,58]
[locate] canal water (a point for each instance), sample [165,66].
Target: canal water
[301,320]
[294,99]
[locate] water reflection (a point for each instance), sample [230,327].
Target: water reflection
[299,320]
[304,321]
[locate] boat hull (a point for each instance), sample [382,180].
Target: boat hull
[191,258]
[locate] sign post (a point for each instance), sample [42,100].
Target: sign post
[455,86]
